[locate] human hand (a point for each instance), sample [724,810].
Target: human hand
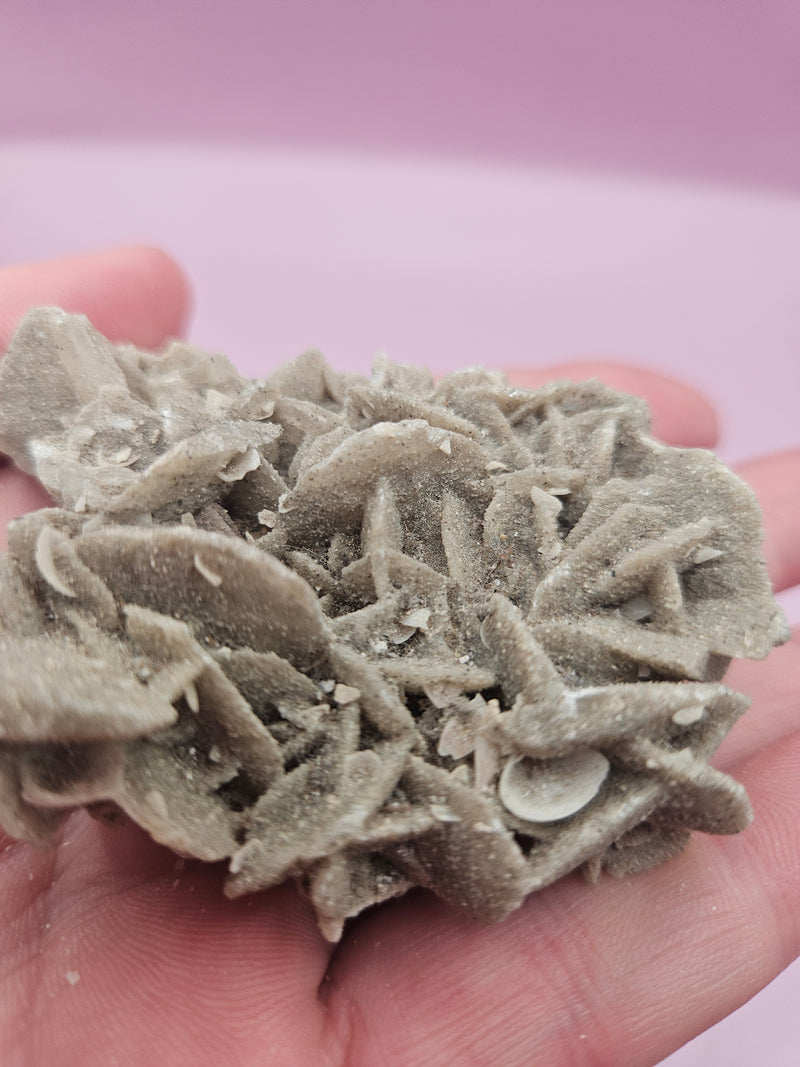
[113,950]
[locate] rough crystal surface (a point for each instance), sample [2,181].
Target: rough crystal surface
[367,633]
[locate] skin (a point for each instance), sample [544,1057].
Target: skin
[112,950]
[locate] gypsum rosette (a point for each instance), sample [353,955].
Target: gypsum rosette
[367,633]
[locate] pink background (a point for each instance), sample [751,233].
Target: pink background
[450,182]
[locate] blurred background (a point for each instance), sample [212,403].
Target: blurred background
[525,181]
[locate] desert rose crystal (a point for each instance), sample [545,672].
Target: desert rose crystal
[366,633]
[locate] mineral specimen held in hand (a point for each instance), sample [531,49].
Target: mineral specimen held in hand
[367,634]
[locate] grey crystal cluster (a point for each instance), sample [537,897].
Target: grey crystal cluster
[366,633]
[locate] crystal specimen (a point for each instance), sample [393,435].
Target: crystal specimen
[367,634]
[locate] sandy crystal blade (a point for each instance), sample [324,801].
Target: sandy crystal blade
[367,633]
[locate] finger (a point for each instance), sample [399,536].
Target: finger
[775,711]
[679,414]
[621,972]
[775,481]
[133,294]
[141,959]
[130,294]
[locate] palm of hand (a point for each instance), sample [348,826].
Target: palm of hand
[114,951]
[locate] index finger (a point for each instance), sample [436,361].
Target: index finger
[132,294]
